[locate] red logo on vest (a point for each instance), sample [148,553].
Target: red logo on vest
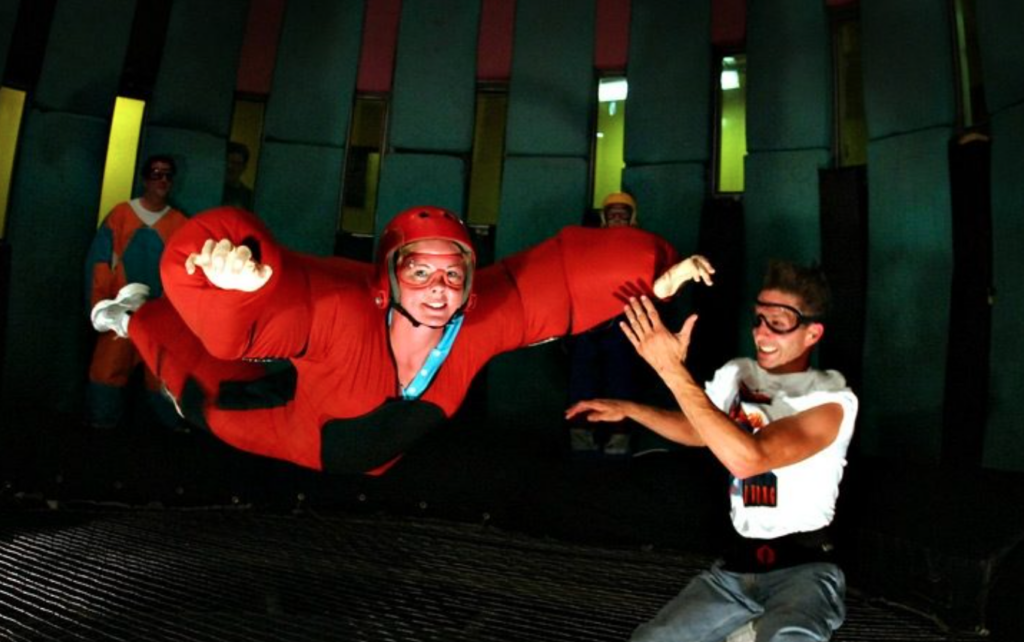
[766,556]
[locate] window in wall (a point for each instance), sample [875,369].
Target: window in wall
[731,147]
[488,155]
[247,129]
[12,106]
[851,136]
[970,94]
[610,137]
[362,164]
[122,152]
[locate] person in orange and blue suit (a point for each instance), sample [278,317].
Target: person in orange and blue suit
[126,249]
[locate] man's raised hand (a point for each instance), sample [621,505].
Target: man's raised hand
[659,346]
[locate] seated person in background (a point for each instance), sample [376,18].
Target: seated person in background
[236,192]
[781,429]
[381,354]
[603,363]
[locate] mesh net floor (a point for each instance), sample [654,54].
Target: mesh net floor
[239,574]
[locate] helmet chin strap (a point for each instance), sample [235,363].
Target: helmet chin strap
[405,313]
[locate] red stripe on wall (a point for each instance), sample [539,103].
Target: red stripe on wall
[494,49]
[729,23]
[611,35]
[259,47]
[380,37]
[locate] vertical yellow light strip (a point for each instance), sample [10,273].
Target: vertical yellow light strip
[362,165]
[122,152]
[12,106]
[488,157]
[611,139]
[733,134]
[247,128]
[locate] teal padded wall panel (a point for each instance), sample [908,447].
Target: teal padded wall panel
[668,108]
[1004,439]
[539,197]
[528,388]
[552,91]
[8,16]
[51,222]
[910,264]
[669,201]
[908,66]
[789,98]
[433,100]
[1000,23]
[84,56]
[781,210]
[199,156]
[408,180]
[195,86]
[315,73]
[299,193]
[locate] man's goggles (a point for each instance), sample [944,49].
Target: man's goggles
[159,174]
[428,270]
[780,318]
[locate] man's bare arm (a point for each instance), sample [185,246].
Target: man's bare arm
[781,443]
[670,424]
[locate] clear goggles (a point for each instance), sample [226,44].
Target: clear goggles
[428,270]
[779,318]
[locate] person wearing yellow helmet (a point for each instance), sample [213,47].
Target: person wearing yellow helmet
[618,210]
[604,364]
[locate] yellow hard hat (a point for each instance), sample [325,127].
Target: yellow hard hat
[619,198]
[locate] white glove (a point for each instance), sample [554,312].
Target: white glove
[696,268]
[229,267]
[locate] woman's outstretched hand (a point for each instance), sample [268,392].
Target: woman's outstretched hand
[696,268]
[229,266]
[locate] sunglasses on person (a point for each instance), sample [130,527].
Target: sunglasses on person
[427,270]
[160,174]
[780,318]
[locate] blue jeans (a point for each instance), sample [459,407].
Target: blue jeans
[804,603]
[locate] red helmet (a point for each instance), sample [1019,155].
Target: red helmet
[420,224]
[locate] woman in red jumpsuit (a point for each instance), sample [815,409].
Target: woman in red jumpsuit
[382,353]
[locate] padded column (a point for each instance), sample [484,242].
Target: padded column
[8,16]
[909,276]
[408,180]
[432,110]
[539,197]
[669,199]
[308,113]
[53,206]
[667,117]
[1004,441]
[551,91]
[788,133]
[189,114]
[1003,68]
[544,186]
[908,92]
[668,110]
[435,76]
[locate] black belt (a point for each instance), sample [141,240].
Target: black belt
[749,555]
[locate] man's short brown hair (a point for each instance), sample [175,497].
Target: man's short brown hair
[807,282]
